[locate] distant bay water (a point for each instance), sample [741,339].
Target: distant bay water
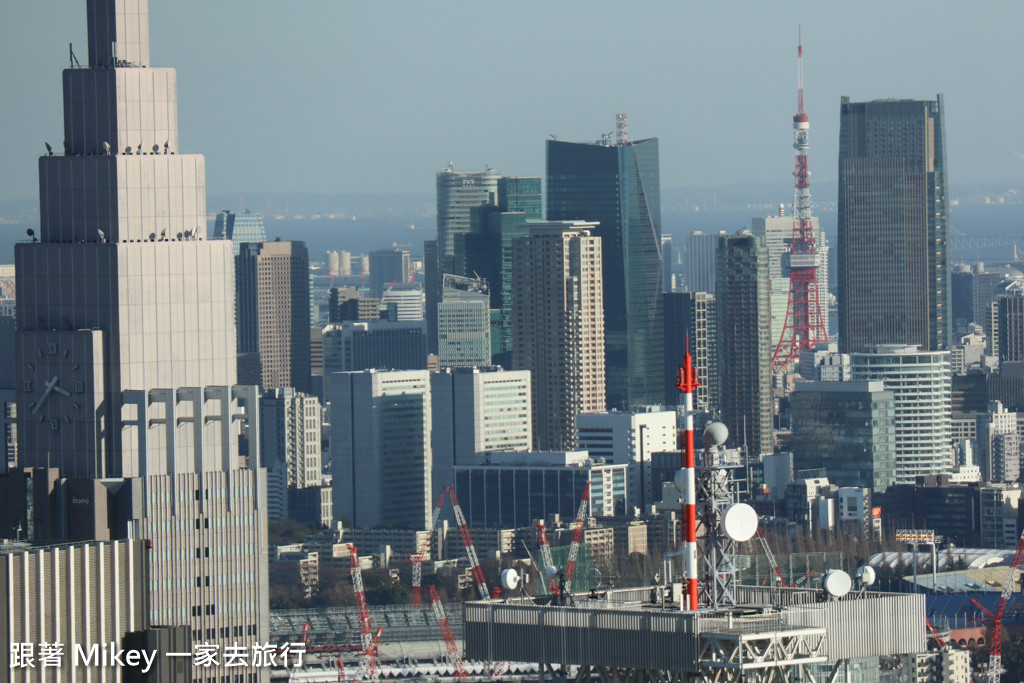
[981,223]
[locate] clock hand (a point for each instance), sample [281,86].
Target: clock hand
[59,390]
[49,387]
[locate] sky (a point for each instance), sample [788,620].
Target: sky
[338,96]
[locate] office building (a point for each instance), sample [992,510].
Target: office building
[389,267]
[1010,322]
[477,411]
[515,489]
[558,326]
[744,344]
[778,234]
[488,251]
[272,310]
[848,429]
[629,437]
[701,249]
[130,307]
[618,188]
[921,384]
[290,424]
[404,303]
[381,455]
[894,259]
[464,322]
[346,303]
[379,344]
[999,444]
[239,228]
[691,318]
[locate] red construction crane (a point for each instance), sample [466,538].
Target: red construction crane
[474,562]
[467,541]
[805,325]
[368,658]
[417,559]
[936,635]
[449,640]
[995,637]
[545,555]
[577,535]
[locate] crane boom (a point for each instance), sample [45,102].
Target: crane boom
[452,648]
[577,535]
[545,554]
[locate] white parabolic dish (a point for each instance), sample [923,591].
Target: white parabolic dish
[510,579]
[739,522]
[837,583]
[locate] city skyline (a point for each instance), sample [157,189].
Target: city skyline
[388,104]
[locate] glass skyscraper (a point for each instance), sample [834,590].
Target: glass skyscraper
[618,186]
[894,259]
[246,227]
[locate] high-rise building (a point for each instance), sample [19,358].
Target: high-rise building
[1010,322]
[744,346]
[290,434]
[894,259]
[389,267]
[239,228]
[999,443]
[404,303]
[667,260]
[618,187]
[847,429]
[558,326]
[458,193]
[691,317]
[272,309]
[921,383]
[126,343]
[488,252]
[374,344]
[346,304]
[464,323]
[701,249]
[477,411]
[381,457]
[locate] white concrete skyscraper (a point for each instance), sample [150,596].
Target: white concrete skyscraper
[123,290]
[125,348]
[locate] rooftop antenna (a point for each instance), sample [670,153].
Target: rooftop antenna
[622,129]
[73,58]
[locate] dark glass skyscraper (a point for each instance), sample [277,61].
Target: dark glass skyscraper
[894,260]
[619,187]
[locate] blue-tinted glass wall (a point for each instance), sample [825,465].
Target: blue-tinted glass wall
[894,259]
[619,187]
[239,228]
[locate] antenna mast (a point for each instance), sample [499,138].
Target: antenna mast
[805,325]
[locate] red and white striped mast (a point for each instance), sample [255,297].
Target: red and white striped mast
[687,382]
[805,325]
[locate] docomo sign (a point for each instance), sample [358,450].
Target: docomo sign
[915,535]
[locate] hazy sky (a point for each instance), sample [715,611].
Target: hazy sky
[375,96]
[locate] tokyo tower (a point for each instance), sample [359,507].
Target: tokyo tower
[804,323]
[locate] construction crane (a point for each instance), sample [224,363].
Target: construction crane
[451,646]
[467,541]
[368,658]
[417,559]
[474,562]
[995,647]
[577,535]
[936,635]
[545,555]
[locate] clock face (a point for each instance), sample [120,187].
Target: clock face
[56,387]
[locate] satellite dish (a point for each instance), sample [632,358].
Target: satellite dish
[551,571]
[679,481]
[837,583]
[510,579]
[739,522]
[715,434]
[865,575]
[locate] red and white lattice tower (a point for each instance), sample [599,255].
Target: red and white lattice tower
[805,325]
[686,383]
[368,659]
[621,129]
[577,536]
[467,540]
